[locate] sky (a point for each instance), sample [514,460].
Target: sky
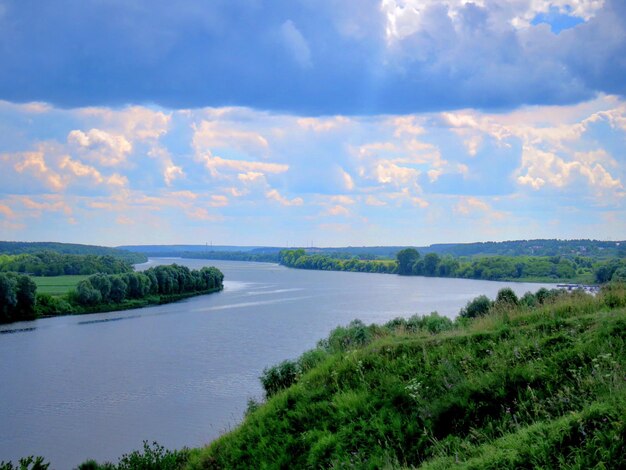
[312,122]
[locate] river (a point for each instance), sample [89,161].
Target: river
[96,386]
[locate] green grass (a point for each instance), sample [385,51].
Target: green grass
[56,285]
[523,387]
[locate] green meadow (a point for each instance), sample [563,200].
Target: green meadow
[56,285]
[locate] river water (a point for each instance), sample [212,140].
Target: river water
[96,386]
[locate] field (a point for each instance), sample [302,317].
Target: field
[56,285]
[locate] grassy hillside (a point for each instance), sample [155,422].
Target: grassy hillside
[522,387]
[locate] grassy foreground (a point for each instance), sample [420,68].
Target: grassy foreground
[523,387]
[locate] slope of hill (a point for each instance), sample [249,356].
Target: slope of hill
[523,387]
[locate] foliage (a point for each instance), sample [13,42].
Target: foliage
[476,307]
[279,377]
[26,463]
[17,297]
[521,387]
[409,262]
[507,296]
[154,457]
[299,259]
[50,263]
[164,280]
[406,259]
[48,305]
[103,292]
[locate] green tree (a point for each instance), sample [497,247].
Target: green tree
[406,258]
[477,307]
[507,296]
[86,294]
[8,298]
[431,264]
[26,293]
[118,289]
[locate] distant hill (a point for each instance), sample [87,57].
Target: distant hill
[540,247]
[177,250]
[17,248]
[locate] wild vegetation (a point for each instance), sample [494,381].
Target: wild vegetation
[495,268]
[101,292]
[528,383]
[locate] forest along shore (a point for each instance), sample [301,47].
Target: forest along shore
[21,301]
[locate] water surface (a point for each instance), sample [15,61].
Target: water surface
[96,386]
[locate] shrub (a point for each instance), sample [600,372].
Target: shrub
[152,458]
[279,377]
[310,359]
[433,323]
[506,296]
[48,305]
[613,295]
[476,308]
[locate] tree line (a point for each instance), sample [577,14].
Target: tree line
[18,248]
[577,269]
[103,292]
[160,280]
[300,260]
[409,262]
[50,263]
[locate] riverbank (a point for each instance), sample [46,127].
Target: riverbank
[104,292]
[136,303]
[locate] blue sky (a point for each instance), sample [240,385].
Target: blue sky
[297,122]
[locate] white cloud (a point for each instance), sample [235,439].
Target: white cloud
[81,170]
[387,172]
[171,173]
[274,195]
[347,180]
[200,213]
[209,135]
[296,44]
[133,122]
[469,205]
[215,164]
[409,125]
[540,168]
[322,124]
[405,18]
[374,201]
[337,210]
[103,147]
[6,211]
[218,200]
[35,164]
[47,203]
